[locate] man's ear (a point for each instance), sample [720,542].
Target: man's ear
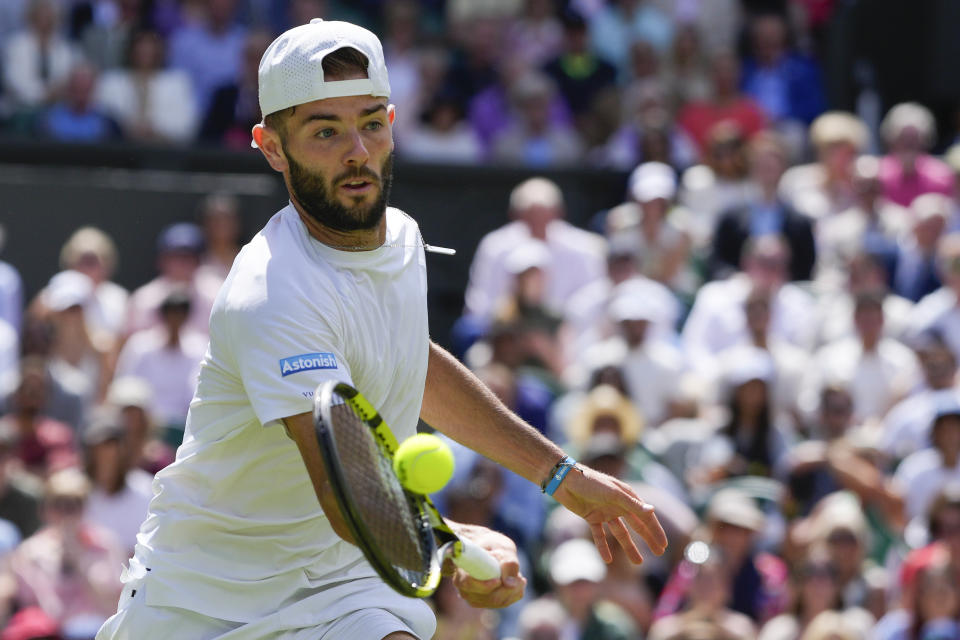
[268,141]
[391,112]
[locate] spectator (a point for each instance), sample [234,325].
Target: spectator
[725,104]
[234,107]
[121,493]
[576,571]
[765,214]
[168,357]
[824,188]
[831,625]
[11,291]
[939,311]
[43,444]
[107,39]
[69,567]
[935,607]
[917,274]
[211,51]
[36,60]
[19,499]
[581,76]
[537,36]
[863,272]
[533,140]
[75,354]
[93,253]
[752,438]
[786,84]
[542,619]
[133,398]
[76,118]
[621,22]
[179,250]
[757,579]
[651,367]
[684,71]
[151,103]
[907,170]
[721,183]
[718,320]
[652,221]
[220,219]
[924,472]
[710,582]
[872,224]
[9,349]
[906,427]
[402,41]
[31,623]
[443,136]
[536,209]
[647,133]
[879,370]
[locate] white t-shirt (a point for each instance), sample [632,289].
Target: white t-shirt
[235,529]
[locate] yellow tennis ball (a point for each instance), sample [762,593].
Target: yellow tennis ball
[424,463]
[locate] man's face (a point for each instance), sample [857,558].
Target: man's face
[339,157]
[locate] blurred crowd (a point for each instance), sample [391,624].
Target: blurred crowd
[763,337]
[537,83]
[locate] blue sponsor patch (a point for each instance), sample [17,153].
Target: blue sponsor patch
[307,362]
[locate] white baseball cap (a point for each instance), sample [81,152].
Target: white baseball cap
[291,73]
[652,181]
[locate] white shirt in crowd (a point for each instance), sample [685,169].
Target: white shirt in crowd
[938,311]
[165,102]
[920,476]
[123,512]
[876,379]
[170,371]
[234,530]
[907,426]
[9,350]
[577,257]
[718,320]
[835,316]
[22,58]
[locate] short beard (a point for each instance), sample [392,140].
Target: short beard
[310,190]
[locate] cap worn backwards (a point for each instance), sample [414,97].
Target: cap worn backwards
[291,71]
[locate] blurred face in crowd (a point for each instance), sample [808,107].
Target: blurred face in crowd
[938,595]
[621,267]
[108,465]
[946,438]
[868,320]
[751,396]
[818,588]
[733,540]
[767,267]
[43,18]
[179,265]
[836,412]
[538,218]
[146,52]
[221,224]
[845,551]
[939,366]
[31,395]
[80,87]
[865,274]
[174,316]
[726,156]
[634,332]
[711,586]
[769,39]
[837,158]
[92,265]
[767,164]
[578,597]
[928,231]
[221,12]
[725,74]
[531,286]
[136,425]
[64,511]
[947,526]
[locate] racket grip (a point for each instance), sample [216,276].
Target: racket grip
[476,561]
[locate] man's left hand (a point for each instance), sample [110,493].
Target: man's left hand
[497,592]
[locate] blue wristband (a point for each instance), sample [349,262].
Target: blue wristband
[559,472]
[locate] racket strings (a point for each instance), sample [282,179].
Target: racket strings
[383,505]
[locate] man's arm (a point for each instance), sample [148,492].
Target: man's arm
[499,592]
[457,403]
[300,428]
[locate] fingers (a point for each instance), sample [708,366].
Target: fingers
[622,534]
[490,594]
[600,539]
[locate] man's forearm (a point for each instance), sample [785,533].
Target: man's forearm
[458,404]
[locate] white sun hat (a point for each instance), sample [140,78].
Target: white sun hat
[291,73]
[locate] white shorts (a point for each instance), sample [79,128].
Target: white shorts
[371,614]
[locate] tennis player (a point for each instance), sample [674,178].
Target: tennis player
[333,287]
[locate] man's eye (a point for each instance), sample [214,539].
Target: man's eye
[325,133]
[373,125]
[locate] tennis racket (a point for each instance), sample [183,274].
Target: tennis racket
[401,533]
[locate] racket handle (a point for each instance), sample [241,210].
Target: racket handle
[475,560]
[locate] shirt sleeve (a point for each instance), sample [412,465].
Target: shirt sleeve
[282,358]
